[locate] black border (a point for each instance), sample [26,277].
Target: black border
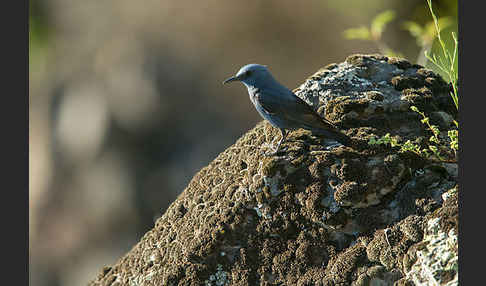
[471,143]
[15,140]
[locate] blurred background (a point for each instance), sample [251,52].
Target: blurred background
[126,103]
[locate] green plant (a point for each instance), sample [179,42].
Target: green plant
[425,35]
[436,149]
[445,61]
[374,32]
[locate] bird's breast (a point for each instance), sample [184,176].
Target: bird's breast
[253,93]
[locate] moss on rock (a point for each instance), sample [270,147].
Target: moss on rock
[315,214]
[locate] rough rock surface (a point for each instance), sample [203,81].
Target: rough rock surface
[317,214]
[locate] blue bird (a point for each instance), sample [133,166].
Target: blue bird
[281,107]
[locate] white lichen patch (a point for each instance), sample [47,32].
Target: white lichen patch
[343,72]
[445,196]
[273,184]
[219,278]
[349,80]
[258,211]
[263,211]
[438,256]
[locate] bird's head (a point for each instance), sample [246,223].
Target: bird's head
[252,75]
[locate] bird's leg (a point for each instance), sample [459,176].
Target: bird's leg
[284,135]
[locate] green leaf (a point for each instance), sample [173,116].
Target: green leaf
[426,152]
[415,30]
[361,33]
[434,139]
[429,31]
[414,108]
[380,21]
[435,129]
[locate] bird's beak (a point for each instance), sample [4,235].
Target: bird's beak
[233,78]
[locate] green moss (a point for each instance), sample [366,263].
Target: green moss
[404,82]
[400,63]
[338,107]
[374,95]
[330,66]
[360,60]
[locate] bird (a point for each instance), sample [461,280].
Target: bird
[281,107]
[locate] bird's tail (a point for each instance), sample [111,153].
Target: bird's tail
[333,134]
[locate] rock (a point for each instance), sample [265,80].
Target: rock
[318,215]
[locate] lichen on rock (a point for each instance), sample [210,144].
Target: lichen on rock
[317,215]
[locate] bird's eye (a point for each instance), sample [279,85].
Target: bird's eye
[248,73]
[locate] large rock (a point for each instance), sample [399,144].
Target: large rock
[319,214]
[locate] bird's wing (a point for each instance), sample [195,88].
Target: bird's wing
[289,106]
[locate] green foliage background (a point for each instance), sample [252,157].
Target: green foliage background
[420,25]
